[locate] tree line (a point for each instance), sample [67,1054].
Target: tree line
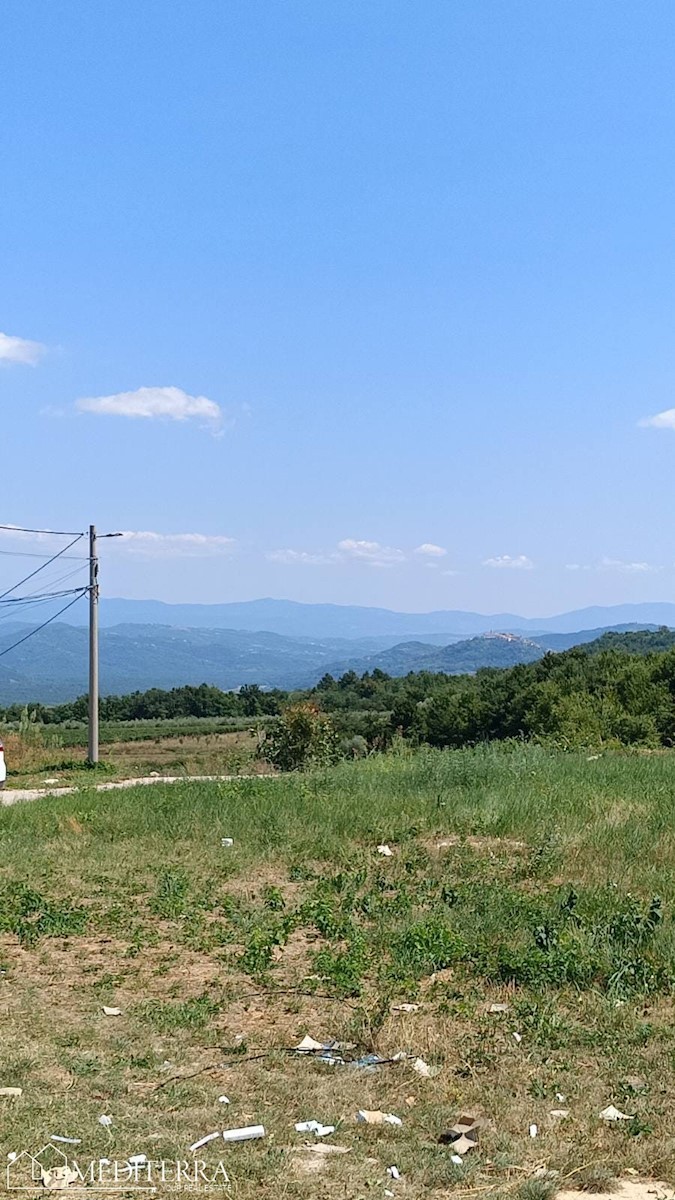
[618,690]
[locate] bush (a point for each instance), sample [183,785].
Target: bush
[302,737]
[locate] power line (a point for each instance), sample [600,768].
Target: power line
[52,583]
[41,568]
[43,596]
[32,633]
[50,532]
[33,554]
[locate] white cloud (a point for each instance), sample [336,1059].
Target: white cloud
[370,552]
[429,550]
[616,564]
[174,545]
[20,350]
[156,403]
[520,563]
[299,558]
[662,420]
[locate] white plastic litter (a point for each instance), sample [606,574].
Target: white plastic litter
[227,841]
[394,1172]
[11,1091]
[111,1012]
[308,1044]
[455,1158]
[385,851]
[421,1068]
[559,1096]
[406,1008]
[388,1193]
[314,1127]
[210,1137]
[498,1008]
[559,1113]
[12,1155]
[611,1113]
[375,1117]
[54,1137]
[105,1121]
[246,1134]
[533,1131]
[223,1100]
[137,1160]
[518,1037]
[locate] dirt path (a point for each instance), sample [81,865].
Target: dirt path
[15,795]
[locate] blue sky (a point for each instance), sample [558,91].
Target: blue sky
[305,294]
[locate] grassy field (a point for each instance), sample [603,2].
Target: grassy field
[189,749]
[546,883]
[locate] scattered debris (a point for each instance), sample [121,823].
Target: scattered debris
[394,1172]
[388,1193]
[592,757]
[498,1008]
[406,1008]
[59,1178]
[247,1134]
[137,1160]
[376,1117]
[314,1127]
[308,1045]
[456,1159]
[324,1148]
[210,1137]
[111,1012]
[559,1113]
[385,851]
[611,1113]
[533,1131]
[559,1096]
[227,841]
[421,1068]
[223,1100]
[11,1091]
[54,1137]
[105,1121]
[464,1134]
[410,1101]
[367,1062]
[517,1037]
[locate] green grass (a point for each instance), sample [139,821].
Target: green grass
[554,892]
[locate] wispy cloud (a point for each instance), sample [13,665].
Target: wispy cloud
[662,420]
[174,545]
[300,558]
[372,553]
[429,550]
[20,350]
[156,403]
[505,561]
[617,564]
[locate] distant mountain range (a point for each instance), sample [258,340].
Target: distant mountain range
[52,665]
[291,619]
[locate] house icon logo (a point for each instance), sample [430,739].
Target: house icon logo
[49,1168]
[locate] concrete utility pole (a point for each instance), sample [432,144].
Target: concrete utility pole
[93,647]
